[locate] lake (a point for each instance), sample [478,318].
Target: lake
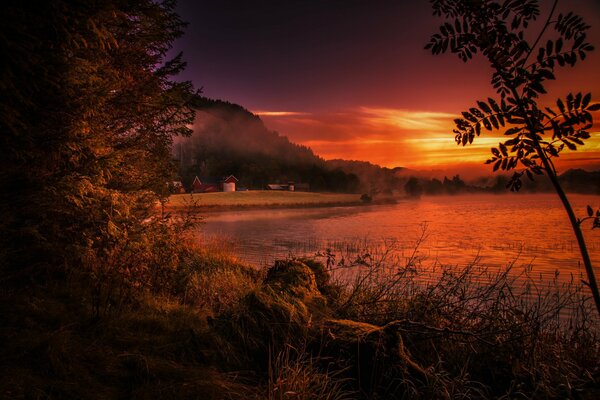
[528,229]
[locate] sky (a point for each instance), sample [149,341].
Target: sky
[351,78]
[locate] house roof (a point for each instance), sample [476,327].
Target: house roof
[211,180]
[230,178]
[276,186]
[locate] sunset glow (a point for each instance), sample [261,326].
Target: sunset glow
[359,85]
[421,139]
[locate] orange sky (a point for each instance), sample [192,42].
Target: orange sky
[414,139]
[352,80]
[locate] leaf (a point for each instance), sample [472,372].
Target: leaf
[549,47]
[590,212]
[512,131]
[487,125]
[577,100]
[500,119]
[529,174]
[503,149]
[569,145]
[484,107]
[594,107]
[570,99]
[558,45]
[469,116]
[494,122]
[538,87]
[497,165]
[494,105]
[476,112]
[586,100]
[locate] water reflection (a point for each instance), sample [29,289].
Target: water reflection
[498,229]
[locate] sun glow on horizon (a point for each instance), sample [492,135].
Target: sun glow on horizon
[399,137]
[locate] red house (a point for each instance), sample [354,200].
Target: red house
[210,185]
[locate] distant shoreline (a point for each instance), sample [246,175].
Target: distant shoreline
[257,200]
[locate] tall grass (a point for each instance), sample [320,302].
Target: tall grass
[295,374]
[481,332]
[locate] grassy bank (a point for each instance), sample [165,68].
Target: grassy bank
[260,199]
[217,329]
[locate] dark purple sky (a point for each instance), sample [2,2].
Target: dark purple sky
[350,77]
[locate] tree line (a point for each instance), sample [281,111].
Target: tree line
[229,140]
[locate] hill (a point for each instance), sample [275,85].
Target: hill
[228,139]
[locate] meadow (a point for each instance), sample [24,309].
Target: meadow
[259,199]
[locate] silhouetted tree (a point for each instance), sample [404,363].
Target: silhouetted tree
[413,188]
[87,127]
[434,186]
[521,67]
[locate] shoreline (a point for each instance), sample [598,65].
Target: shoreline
[265,206]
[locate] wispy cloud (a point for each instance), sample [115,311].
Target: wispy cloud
[407,119]
[393,137]
[279,113]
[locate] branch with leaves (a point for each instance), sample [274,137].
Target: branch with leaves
[536,134]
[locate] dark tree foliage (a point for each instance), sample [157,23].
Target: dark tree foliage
[229,139]
[87,119]
[413,188]
[535,134]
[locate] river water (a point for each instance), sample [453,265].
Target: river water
[529,230]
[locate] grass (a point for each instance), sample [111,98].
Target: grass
[219,330]
[260,198]
[53,349]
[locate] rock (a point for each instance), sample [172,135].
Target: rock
[282,310]
[288,308]
[331,291]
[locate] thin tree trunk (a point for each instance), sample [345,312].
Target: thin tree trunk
[592,283]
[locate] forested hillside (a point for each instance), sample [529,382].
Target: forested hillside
[229,139]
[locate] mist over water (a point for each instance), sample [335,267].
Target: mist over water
[531,230]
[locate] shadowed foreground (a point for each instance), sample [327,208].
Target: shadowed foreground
[292,333]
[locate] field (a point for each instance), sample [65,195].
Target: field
[261,198]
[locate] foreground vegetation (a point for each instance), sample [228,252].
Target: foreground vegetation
[213,328]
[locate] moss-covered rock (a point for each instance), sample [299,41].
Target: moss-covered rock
[328,289]
[282,310]
[288,308]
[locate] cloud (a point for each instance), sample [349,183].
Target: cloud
[407,119]
[394,137]
[264,113]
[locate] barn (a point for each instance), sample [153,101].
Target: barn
[228,184]
[211,185]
